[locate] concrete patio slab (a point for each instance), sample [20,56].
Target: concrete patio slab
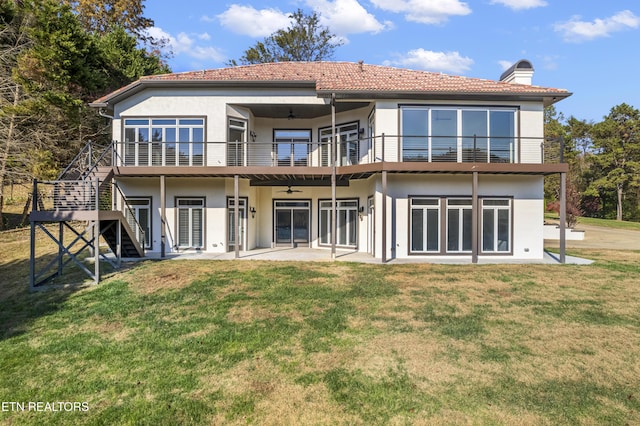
[305,254]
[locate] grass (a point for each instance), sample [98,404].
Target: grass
[605,223]
[209,342]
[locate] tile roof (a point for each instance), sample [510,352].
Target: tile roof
[348,77]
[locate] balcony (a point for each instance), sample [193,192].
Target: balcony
[410,151]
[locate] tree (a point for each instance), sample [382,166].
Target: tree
[14,137]
[50,67]
[101,16]
[122,60]
[616,141]
[304,40]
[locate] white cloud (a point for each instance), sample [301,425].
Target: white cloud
[575,30]
[520,4]
[425,12]
[505,64]
[184,44]
[449,62]
[344,17]
[249,21]
[204,36]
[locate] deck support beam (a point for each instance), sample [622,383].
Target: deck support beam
[384,216]
[334,226]
[163,217]
[236,214]
[563,216]
[474,219]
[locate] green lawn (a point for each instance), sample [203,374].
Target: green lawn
[211,342]
[606,223]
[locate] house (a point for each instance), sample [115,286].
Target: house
[392,162]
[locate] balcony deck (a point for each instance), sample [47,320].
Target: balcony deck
[355,159]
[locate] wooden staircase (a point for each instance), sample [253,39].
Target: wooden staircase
[85,192]
[129,246]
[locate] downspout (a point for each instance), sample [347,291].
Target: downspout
[101,113]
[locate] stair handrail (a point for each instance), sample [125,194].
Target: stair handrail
[73,162]
[128,208]
[86,153]
[95,164]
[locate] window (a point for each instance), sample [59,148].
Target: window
[444,129]
[237,138]
[458,225]
[496,226]
[348,146]
[346,221]
[474,140]
[164,142]
[190,222]
[292,147]
[140,211]
[415,132]
[458,134]
[425,225]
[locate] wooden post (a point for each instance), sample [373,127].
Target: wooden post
[563,216]
[334,227]
[163,217]
[32,259]
[119,244]
[474,219]
[236,213]
[96,249]
[60,244]
[384,216]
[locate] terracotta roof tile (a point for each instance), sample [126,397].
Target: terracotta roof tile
[350,77]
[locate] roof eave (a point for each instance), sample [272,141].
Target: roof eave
[139,85]
[548,98]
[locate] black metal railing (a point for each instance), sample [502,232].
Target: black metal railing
[82,196]
[403,148]
[90,156]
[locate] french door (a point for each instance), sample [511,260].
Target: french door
[242,223]
[291,223]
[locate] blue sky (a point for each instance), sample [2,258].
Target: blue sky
[587,47]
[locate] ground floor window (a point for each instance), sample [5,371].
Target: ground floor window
[425,225]
[459,225]
[346,222]
[140,211]
[190,227]
[444,225]
[496,225]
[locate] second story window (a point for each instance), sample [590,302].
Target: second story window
[291,147]
[163,142]
[447,134]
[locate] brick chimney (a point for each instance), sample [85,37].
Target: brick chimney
[520,73]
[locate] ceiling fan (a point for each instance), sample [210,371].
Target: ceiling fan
[290,191]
